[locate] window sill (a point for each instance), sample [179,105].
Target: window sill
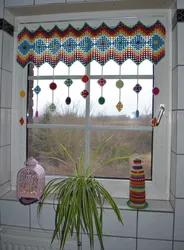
[153,205]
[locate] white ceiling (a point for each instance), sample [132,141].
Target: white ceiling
[95,5]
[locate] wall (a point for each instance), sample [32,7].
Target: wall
[177,150]
[152,227]
[6,67]
[158,227]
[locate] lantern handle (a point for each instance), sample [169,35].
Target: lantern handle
[30,162]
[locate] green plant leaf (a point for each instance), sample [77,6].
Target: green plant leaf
[79,200]
[108,161]
[96,153]
[111,202]
[96,217]
[63,162]
[68,154]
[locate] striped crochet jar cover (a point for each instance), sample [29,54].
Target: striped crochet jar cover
[137,186]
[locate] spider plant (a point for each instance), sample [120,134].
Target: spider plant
[79,199]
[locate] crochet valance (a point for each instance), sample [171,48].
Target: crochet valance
[138,42]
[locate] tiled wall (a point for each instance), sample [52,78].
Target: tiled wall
[152,228]
[6,66]
[177,153]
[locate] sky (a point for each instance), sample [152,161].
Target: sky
[110,91]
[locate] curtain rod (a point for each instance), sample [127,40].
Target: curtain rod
[92,19]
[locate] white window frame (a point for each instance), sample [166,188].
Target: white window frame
[158,188]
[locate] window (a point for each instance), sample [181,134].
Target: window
[90,122]
[86,123]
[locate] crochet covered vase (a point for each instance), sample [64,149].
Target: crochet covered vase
[137,186]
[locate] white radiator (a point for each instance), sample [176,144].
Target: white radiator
[12,239]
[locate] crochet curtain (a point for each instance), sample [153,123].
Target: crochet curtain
[138,43]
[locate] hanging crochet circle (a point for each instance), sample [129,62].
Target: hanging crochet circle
[137,113]
[53,86]
[85,78]
[22,93]
[68,100]
[119,84]
[52,107]
[155,91]
[101,100]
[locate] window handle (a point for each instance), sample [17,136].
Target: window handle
[156,120]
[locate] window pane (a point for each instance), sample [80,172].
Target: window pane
[108,114]
[130,68]
[123,143]
[61,69]
[127,68]
[44,143]
[146,68]
[77,69]
[45,69]
[111,68]
[72,114]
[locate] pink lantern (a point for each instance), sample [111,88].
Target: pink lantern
[30,182]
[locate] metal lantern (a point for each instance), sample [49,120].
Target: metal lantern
[30,182]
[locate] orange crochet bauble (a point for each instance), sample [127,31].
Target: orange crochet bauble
[85,78]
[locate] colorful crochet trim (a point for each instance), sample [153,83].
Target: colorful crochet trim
[137,186]
[101,44]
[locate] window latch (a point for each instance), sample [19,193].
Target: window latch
[156,120]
